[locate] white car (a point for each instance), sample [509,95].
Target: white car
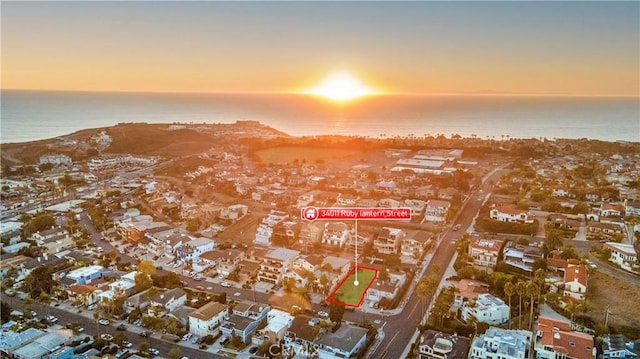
[103,322]
[226,284]
[52,319]
[323,314]
[154,351]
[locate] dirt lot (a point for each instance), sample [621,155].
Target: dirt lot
[289,154]
[605,290]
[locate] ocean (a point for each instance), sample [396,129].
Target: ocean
[34,115]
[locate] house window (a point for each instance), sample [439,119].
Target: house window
[572,344]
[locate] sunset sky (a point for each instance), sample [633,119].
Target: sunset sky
[573,48]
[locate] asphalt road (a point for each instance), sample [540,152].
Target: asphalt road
[400,328]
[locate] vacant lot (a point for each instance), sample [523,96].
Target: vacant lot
[348,293]
[620,296]
[310,155]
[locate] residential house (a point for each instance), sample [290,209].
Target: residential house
[191,250]
[436,210]
[556,262]
[485,252]
[555,339]
[438,345]
[610,210]
[347,200]
[300,336]
[85,275]
[469,290]
[389,203]
[208,319]
[225,261]
[311,232]
[447,194]
[575,281]
[632,208]
[275,263]
[133,229]
[83,294]
[522,257]
[616,346]
[388,240]
[486,309]
[604,229]
[510,213]
[336,233]
[563,222]
[414,243]
[265,229]
[425,192]
[234,212]
[245,319]
[166,301]
[278,323]
[417,207]
[623,255]
[385,187]
[497,343]
[344,343]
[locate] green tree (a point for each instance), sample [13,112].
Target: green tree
[144,346]
[147,267]
[175,353]
[509,290]
[521,290]
[5,311]
[142,281]
[336,312]
[38,281]
[426,288]
[532,292]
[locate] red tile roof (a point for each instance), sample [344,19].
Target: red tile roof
[576,273]
[558,335]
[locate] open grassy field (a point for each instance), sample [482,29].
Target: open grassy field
[621,298]
[347,293]
[289,154]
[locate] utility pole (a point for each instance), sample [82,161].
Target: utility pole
[606,318]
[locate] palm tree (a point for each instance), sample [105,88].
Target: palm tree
[509,290]
[521,289]
[425,289]
[532,292]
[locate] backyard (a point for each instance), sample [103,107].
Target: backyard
[348,293]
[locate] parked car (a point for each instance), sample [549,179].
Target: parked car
[226,284]
[121,327]
[323,314]
[154,351]
[103,322]
[52,319]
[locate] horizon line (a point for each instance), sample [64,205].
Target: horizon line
[488,93]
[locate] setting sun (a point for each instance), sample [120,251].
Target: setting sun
[341,87]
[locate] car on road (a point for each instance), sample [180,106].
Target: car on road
[144,333]
[226,284]
[199,287]
[457,227]
[106,336]
[154,351]
[127,344]
[80,329]
[52,319]
[103,322]
[121,327]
